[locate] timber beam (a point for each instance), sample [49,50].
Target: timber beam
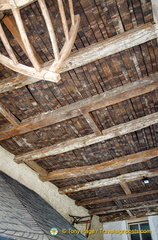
[103,167]
[93,52]
[91,139]
[135,206]
[116,95]
[129,177]
[92,201]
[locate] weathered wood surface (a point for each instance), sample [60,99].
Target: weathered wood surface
[148,204]
[81,142]
[29,71]
[9,116]
[103,167]
[111,46]
[91,122]
[24,37]
[10,23]
[106,218]
[129,177]
[7,45]
[105,99]
[6,5]
[37,168]
[97,51]
[125,188]
[92,201]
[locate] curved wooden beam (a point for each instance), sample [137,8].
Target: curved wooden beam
[44,74]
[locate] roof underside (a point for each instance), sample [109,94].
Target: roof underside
[100,20]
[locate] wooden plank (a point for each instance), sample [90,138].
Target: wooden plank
[63,19]
[91,139]
[7,46]
[129,177]
[5,4]
[155,10]
[91,122]
[44,74]
[50,28]
[112,218]
[105,48]
[129,212]
[10,23]
[125,186]
[9,116]
[111,46]
[145,204]
[105,99]
[24,37]
[103,167]
[37,168]
[92,201]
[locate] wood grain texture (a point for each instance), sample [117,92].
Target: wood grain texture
[103,167]
[91,139]
[92,201]
[129,177]
[116,95]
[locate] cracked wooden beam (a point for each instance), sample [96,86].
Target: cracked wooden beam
[116,95]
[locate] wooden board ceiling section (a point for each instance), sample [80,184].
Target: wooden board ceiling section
[94,134]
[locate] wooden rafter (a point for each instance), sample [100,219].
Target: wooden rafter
[37,168]
[10,23]
[129,177]
[91,139]
[148,204]
[92,201]
[125,187]
[105,218]
[105,99]
[103,167]
[91,122]
[45,71]
[94,52]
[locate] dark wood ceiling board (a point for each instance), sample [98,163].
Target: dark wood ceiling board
[146,56]
[123,198]
[3,120]
[136,185]
[115,217]
[149,164]
[37,31]
[107,191]
[152,46]
[71,87]
[21,103]
[141,205]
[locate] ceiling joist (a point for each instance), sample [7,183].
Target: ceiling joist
[116,95]
[9,116]
[77,143]
[103,167]
[91,53]
[129,177]
[142,205]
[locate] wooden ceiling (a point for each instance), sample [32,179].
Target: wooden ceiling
[94,134]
